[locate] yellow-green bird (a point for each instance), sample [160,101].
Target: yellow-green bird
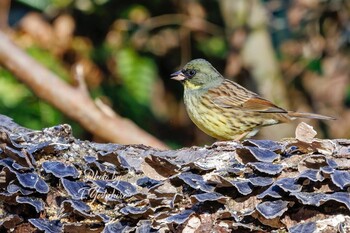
[225,110]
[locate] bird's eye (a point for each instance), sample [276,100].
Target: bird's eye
[190,73]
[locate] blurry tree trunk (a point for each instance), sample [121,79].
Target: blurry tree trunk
[257,54]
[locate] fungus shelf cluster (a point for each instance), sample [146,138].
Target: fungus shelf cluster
[52,182]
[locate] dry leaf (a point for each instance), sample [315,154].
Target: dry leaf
[305,132]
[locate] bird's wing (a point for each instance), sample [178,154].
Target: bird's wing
[232,95]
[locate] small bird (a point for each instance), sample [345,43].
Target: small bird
[225,110]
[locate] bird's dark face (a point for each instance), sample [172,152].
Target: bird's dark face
[197,74]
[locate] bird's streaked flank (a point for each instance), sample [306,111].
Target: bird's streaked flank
[225,110]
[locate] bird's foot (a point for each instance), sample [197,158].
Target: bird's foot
[240,137]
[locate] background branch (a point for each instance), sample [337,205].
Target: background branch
[70,100]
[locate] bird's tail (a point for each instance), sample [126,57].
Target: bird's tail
[309,115]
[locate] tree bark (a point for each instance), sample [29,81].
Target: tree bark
[60,184]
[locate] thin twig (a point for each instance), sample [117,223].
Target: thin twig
[78,73]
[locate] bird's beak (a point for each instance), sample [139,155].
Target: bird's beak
[178,75]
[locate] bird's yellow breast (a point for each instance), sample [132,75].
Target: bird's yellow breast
[212,121]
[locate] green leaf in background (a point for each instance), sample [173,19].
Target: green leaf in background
[37,4]
[44,5]
[213,46]
[347,97]
[137,73]
[11,93]
[315,66]
[87,6]
[49,60]
[18,102]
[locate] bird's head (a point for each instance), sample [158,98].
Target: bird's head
[197,74]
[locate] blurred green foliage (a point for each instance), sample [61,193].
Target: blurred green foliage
[138,74]
[213,47]
[47,59]
[315,66]
[53,5]
[19,103]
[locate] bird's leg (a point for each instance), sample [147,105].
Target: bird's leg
[247,134]
[241,136]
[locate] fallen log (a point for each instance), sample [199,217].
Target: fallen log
[53,182]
